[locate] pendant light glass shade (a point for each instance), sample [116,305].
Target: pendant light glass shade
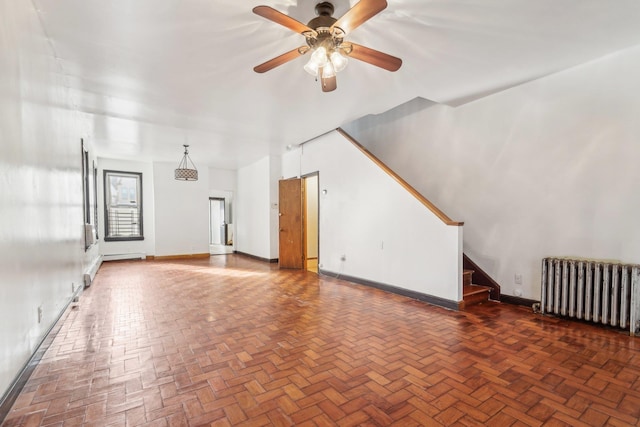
[318,59]
[328,71]
[311,68]
[325,63]
[339,61]
[186,170]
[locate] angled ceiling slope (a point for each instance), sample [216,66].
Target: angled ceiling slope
[152,75]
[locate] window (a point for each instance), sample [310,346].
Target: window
[86,188]
[123,206]
[89,198]
[95,199]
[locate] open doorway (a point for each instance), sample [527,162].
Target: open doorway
[217,229]
[298,224]
[311,222]
[220,230]
[291,252]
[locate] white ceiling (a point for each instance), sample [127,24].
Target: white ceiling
[151,75]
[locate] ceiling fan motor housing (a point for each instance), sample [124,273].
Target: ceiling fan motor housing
[325,35]
[324,8]
[321,21]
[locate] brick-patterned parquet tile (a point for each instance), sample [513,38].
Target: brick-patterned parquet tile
[230,341]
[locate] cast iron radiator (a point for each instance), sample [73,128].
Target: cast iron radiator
[595,291]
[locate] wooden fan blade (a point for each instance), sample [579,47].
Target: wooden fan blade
[375,57]
[279,60]
[328,83]
[282,19]
[359,13]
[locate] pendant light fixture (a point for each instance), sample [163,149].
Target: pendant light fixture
[186,170]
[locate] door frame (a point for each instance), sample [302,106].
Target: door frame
[305,216]
[224,219]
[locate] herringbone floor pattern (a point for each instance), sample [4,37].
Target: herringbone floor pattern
[233,341]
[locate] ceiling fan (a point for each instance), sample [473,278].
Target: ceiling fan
[325,39]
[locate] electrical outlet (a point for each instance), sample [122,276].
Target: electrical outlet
[343,258]
[517,279]
[39,314]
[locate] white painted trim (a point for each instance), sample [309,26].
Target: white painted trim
[118,257]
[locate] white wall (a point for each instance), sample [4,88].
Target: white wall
[181,212]
[222,179]
[256,229]
[41,229]
[148,245]
[546,169]
[180,208]
[274,219]
[386,235]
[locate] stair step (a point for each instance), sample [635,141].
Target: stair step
[466,277]
[474,289]
[475,294]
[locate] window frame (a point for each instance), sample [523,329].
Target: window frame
[86,196]
[107,194]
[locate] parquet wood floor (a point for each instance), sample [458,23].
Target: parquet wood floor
[230,341]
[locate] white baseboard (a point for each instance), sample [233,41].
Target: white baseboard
[118,257]
[90,274]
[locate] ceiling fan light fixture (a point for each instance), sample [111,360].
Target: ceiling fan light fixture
[312,67]
[339,61]
[328,71]
[319,56]
[318,60]
[325,39]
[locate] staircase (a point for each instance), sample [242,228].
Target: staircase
[473,294]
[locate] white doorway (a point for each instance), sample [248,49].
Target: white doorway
[217,229]
[311,209]
[220,231]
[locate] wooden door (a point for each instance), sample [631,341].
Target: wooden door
[291,253]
